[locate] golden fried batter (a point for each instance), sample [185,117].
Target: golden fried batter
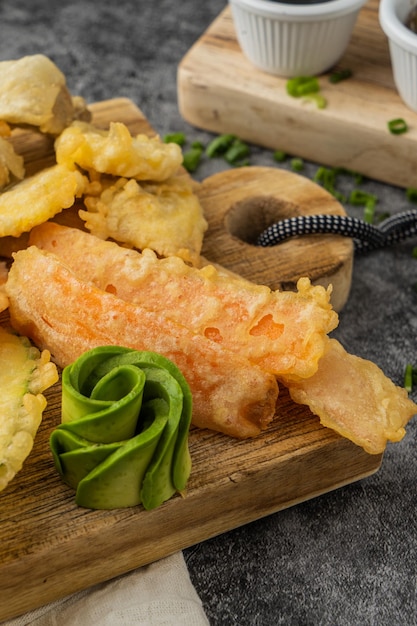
[33,92]
[285,333]
[116,152]
[38,198]
[11,164]
[70,316]
[4,300]
[354,397]
[165,217]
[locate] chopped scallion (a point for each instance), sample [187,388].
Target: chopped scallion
[219,145]
[327,178]
[192,158]
[411,194]
[358,197]
[408,377]
[369,212]
[279,156]
[337,77]
[178,138]
[302,86]
[306,87]
[237,151]
[318,99]
[397,126]
[297,164]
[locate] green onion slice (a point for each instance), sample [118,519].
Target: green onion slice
[237,151]
[219,145]
[178,138]
[297,164]
[408,377]
[279,156]
[191,158]
[123,437]
[411,194]
[337,77]
[397,126]
[302,86]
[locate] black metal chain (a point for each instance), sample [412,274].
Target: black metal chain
[366,236]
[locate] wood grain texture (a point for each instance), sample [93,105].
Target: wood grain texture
[240,203]
[219,90]
[49,547]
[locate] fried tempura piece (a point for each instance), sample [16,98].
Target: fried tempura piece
[116,152]
[354,397]
[27,374]
[38,198]
[57,310]
[166,217]
[5,130]
[33,92]
[285,333]
[4,300]
[11,164]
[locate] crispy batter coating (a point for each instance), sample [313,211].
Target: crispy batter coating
[38,198]
[33,92]
[12,166]
[4,300]
[27,375]
[285,333]
[116,152]
[142,199]
[166,217]
[354,397]
[68,316]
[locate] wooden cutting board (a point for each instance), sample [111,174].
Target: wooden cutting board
[219,90]
[49,547]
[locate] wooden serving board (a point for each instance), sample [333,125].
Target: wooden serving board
[220,90]
[50,548]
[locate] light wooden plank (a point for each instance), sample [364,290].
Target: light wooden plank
[219,90]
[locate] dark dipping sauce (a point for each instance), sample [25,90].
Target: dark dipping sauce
[411,21]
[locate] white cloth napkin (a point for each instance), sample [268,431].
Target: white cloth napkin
[160,594]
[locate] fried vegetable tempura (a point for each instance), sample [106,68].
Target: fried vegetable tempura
[116,152]
[69,316]
[354,397]
[285,333]
[11,164]
[166,217]
[38,198]
[28,373]
[4,300]
[33,92]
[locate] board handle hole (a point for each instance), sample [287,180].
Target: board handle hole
[248,218]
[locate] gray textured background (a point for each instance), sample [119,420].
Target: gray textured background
[346,558]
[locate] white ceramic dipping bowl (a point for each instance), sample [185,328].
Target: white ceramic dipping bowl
[294,39]
[403,47]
